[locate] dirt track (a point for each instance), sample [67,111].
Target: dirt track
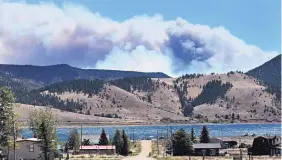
[146,149]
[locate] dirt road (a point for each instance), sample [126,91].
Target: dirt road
[146,149]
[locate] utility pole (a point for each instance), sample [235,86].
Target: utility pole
[164,144]
[167,140]
[81,135]
[171,146]
[14,135]
[158,141]
[133,135]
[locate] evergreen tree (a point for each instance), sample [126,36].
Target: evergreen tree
[204,138]
[74,140]
[192,134]
[117,141]
[125,144]
[6,114]
[103,138]
[181,143]
[43,124]
[9,126]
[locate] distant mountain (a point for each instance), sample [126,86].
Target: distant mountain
[63,72]
[269,72]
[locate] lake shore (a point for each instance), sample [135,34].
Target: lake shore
[133,124]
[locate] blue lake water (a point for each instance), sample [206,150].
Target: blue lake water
[143,132]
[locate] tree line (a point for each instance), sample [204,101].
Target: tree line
[188,76]
[131,84]
[78,85]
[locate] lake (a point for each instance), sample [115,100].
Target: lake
[143,132]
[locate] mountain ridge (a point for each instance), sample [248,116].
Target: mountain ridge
[63,72]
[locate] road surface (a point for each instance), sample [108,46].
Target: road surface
[143,155]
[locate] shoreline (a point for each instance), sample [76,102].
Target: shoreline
[91,125]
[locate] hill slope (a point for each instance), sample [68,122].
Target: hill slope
[232,97]
[63,72]
[269,72]
[244,100]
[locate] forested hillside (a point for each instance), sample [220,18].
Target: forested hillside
[211,92]
[26,92]
[270,74]
[134,83]
[79,85]
[59,73]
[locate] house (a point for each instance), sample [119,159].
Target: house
[28,149]
[98,149]
[270,145]
[208,149]
[224,141]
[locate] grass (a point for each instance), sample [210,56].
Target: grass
[216,158]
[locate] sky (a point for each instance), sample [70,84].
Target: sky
[174,37]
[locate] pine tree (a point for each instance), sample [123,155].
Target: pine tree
[7,118]
[6,112]
[204,138]
[125,144]
[117,141]
[103,138]
[192,134]
[43,124]
[181,143]
[74,140]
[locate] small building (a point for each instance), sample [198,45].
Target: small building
[207,149]
[270,145]
[26,149]
[98,149]
[225,142]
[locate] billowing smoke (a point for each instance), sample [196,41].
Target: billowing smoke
[45,34]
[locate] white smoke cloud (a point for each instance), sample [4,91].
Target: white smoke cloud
[44,34]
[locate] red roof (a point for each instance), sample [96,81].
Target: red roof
[98,147]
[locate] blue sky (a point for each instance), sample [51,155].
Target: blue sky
[174,37]
[257,22]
